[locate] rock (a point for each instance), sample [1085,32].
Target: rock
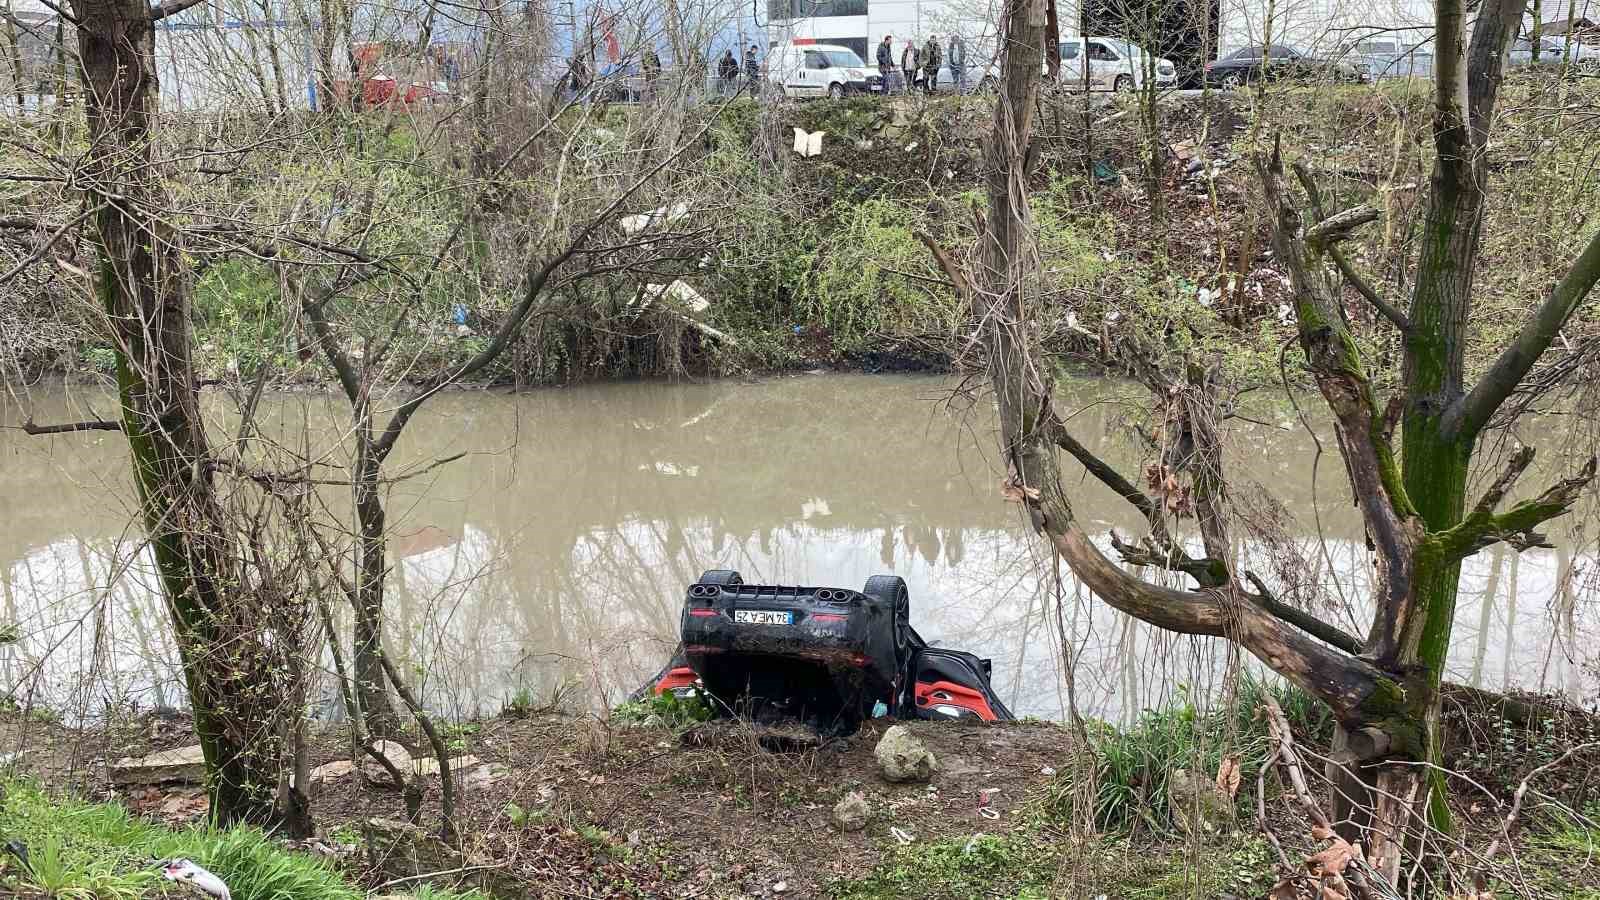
[185,765]
[850,814]
[901,757]
[397,754]
[339,768]
[400,850]
[429,765]
[485,775]
[1196,803]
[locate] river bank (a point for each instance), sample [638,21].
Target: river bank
[645,806]
[816,263]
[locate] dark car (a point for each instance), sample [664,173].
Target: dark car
[829,657]
[1275,62]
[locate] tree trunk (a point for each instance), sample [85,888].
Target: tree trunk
[145,286]
[371,566]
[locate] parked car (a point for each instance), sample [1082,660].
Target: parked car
[1381,59]
[1275,62]
[820,70]
[1113,64]
[1553,52]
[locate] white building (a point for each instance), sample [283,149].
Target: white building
[1184,34]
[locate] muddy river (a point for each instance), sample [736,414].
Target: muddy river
[553,556]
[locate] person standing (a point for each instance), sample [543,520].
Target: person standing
[577,77]
[908,64]
[752,70]
[651,64]
[886,63]
[957,57]
[930,64]
[727,73]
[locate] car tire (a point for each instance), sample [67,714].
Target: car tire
[835,91]
[720,577]
[891,590]
[1232,81]
[987,84]
[1123,84]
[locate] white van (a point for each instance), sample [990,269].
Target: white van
[806,69]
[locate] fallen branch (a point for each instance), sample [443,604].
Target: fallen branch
[67,428]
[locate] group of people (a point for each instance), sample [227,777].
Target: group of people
[919,66]
[728,72]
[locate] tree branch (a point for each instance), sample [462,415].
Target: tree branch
[1299,618]
[1339,226]
[92,425]
[162,10]
[1347,268]
[1335,362]
[1470,414]
[1483,527]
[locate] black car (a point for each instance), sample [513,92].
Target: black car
[830,657]
[1274,62]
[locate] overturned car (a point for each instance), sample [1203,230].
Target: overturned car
[828,657]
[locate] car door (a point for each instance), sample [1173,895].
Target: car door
[1072,74]
[1103,65]
[806,75]
[1283,62]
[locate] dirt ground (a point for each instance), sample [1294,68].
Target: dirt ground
[577,807]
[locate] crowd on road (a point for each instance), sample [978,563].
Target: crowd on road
[904,67]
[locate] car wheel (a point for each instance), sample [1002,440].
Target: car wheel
[1123,84]
[890,590]
[720,577]
[987,84]
[1232,81]
[836,91]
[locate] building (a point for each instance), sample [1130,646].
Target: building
[1187,31]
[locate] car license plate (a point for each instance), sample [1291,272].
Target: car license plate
[762,617]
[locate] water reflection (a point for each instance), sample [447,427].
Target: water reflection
[556,555]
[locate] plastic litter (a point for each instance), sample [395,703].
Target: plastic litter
[902,835]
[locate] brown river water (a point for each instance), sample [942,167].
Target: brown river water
[553,557]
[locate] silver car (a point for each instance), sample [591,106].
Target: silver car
[1553,52]
[1382,59]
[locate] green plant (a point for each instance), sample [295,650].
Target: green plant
[666,709]
[1135,766]
[1020,863]
[96,850]
[100,359]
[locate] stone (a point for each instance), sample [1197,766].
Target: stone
[850,814]
[400,850]
[429,765]
[1197,805]
[183,765]
[397,754]
[485,775]
[902,758]
[339,768]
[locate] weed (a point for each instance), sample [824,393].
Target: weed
[1011,865]
[80,851]
[1135,766]
[667,709]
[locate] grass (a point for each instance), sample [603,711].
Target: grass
[96,851]
[1135,766]
[1035,861]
